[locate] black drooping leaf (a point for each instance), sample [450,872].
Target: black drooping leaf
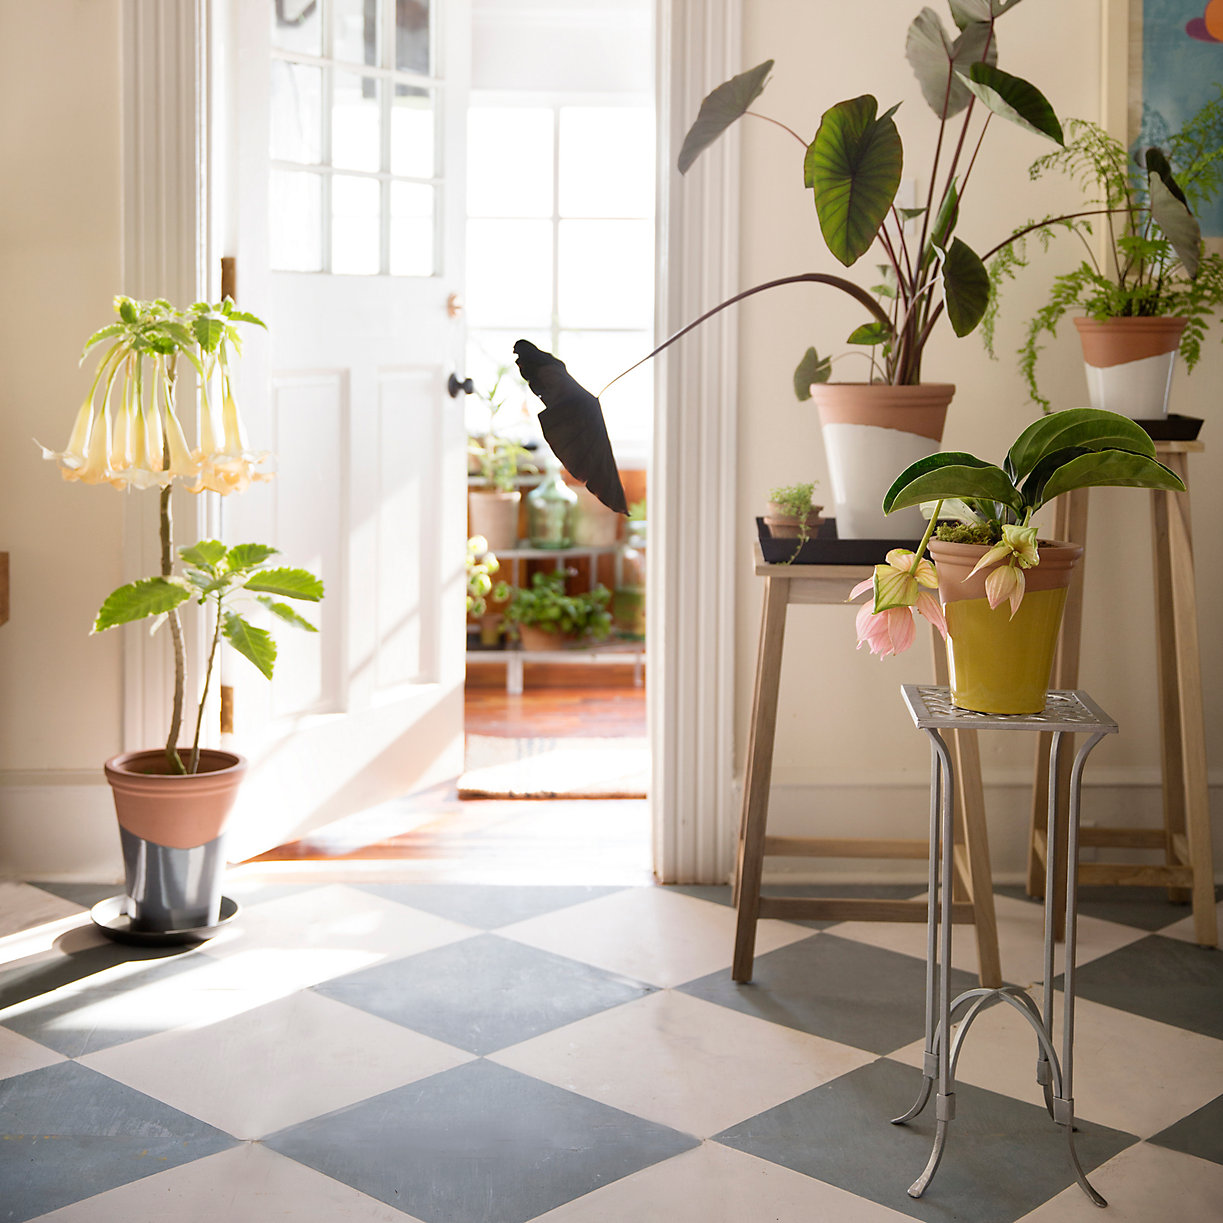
[573,425]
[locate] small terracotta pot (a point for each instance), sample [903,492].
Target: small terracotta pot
[1001,663]
[787,526]
[494,515]
[1129,363]
[534,638]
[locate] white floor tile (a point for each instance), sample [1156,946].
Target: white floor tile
[272,1067]
[1021,940]
[19,1054]
[30,917]
[246,1184]
[713,1184]
[1130,1073]
[1143,1184]
[683,1062]
[650,934]
[1183,929]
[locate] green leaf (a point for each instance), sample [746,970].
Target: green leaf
[946,217]
[854,166]
[287,614]
[1033,488]
[251,642]
[1015,99]
[135,601]
[812,368]
[951,474]
[938,63]
[1111,467]
[910,214]
[720,109]
[126,308]
[207,554]
[207,331]
[243,316]
[1089,428]
[104,334]
[965,287]
[242,557]
[870,333]
[289,583]
[1178,223]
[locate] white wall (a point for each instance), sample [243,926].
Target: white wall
[60,238]
[847,757]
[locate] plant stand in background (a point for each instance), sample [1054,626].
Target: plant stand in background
[974,900]
[1185,839]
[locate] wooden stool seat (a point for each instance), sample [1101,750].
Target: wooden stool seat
[974,899]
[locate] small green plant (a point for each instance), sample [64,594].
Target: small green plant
[481,565]
[546,605]
[795,501]
[1153,263]
[500,458]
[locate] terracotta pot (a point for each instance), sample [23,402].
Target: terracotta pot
[1129,363]
[535,638]
[1001,663]
[494,515]
[172,829]
[786,526]
[872,432]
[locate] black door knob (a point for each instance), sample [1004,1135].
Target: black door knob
[455,387]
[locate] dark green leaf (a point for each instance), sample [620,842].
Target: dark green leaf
[1014,99]
[965,287]
[910,214]
[854,166]
[870,333]
[289,583]
[945,219]
[951,474]
[1154,161]
[812,368]
[286,613]
[1086,427]
[242,557]
[251,642]
[1111,467]
[135,601]
[1178,223]
[208,553]
[937,61]
[1033,487]
[720,109]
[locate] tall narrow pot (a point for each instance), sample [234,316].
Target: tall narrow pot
[1001,663]
[172,827]
[1129,363]
[872,432]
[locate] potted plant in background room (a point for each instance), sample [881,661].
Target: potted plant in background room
[853,167]
[173,802]
[492,510]
[791,512]
[481,565]
[1151,292]
[999,658]
[544,616]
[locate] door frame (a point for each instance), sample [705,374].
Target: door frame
[170,250]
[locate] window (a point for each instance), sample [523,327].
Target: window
[353,138]
[560,246]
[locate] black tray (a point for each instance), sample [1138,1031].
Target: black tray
[824,548]
[1172,428]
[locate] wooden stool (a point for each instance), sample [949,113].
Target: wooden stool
[974,898]
[1188,868]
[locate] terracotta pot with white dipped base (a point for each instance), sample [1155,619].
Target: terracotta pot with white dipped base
[1129,363]
[172,827]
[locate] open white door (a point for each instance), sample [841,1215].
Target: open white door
[342,150]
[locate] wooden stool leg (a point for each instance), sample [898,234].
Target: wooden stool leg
[758,775]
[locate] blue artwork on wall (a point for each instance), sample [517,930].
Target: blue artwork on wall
[1182,69]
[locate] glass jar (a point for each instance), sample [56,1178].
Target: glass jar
[628,600]
[550,509]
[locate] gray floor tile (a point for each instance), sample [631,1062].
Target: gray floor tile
[1003,1157]
[833,987]
[483,993]
[85,894]
[485,906]
[1200,1134]
[1147,908]
[71,1133]
[722,893]
[1161,978]
[478,1144]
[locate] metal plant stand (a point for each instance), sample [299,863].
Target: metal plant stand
[1065,713]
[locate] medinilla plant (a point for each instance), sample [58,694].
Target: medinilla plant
[1078,448]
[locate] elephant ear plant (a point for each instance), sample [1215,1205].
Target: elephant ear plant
[129,434]
[1079,448]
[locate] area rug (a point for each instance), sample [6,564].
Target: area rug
[555,768]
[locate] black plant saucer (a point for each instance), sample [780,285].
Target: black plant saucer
[1172,428]
[111,918]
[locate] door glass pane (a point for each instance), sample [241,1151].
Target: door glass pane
[356,123]
[412,127]
[605,276]
[411,229]
[412,35]
[509,161]
[355,205]
[295,229]
[297,26]
[509,273]
[296,106]
[606,161]
[356,31]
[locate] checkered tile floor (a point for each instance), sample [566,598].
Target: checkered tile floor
[351,1053]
